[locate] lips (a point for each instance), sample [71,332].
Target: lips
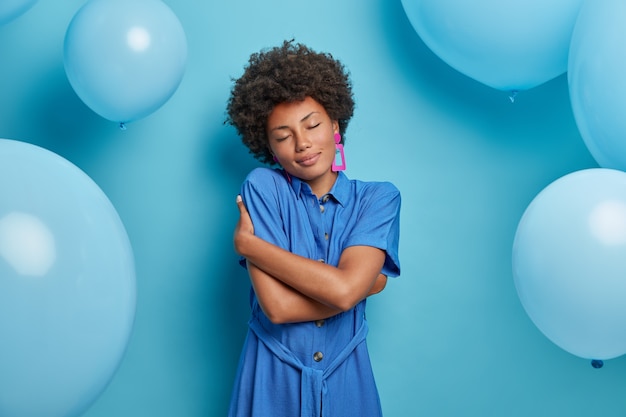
[308,160]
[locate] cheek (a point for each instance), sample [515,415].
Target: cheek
[329,140]
[280,150]
[273,146]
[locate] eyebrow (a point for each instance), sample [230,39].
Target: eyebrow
[301,120]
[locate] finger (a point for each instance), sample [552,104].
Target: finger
[242,207]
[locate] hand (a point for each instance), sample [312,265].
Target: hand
[244,227]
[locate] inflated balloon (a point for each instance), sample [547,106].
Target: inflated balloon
[569,262]
[125,58]
[67,285]
[597,64]
[11,9]
[508,45]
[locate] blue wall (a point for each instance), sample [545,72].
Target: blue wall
[449,337]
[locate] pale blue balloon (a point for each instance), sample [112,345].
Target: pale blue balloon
[508,45]
[569,262]
[597,64]
[12,9]
[67,285]
[125,58]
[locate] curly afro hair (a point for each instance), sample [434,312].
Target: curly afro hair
[287,73]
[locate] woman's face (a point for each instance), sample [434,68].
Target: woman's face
[301,137]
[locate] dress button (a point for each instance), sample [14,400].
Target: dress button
[322,209]
[325,198]
[318,356]
[326,236]
[319,323]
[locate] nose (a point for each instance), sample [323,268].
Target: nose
[302,142]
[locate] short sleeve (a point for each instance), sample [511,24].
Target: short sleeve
[260,192]
[378,224]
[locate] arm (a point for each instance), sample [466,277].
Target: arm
[279,302]
[338,287]
[379,285]
[283,304]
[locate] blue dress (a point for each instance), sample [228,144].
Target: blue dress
[319,368]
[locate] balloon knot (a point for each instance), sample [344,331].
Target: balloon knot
[122,126]
[597,363]
[513,95]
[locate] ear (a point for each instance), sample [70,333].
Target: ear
[335,126]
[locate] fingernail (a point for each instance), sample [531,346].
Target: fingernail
[238,199]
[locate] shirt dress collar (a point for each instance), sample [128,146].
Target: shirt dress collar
[339,192]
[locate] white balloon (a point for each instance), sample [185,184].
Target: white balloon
[508,45]
[597,64]
[569,262]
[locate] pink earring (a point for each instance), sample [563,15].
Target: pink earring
[339,163]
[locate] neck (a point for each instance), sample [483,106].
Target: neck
[321,186]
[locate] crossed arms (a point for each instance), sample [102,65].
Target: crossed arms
[292,288]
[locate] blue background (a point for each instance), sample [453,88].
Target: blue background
[449,337]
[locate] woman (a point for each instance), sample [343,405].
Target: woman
[315,243]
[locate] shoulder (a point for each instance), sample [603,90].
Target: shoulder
[265,183]
[266,179]
[263,175]
[376,189]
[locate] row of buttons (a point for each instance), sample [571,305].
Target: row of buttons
[318,356]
